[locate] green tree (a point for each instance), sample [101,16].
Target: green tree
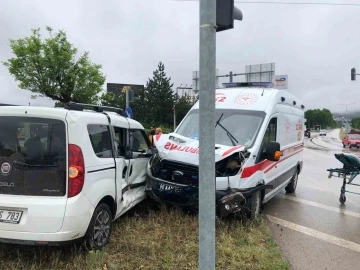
[323,117]
[113,100]
[137,106]
[183,105]
[158,98]
[51,68]
[355,123]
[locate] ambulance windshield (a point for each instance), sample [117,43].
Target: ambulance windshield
[243,125]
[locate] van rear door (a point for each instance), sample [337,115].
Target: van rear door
[33,173]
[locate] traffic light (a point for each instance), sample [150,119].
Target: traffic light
[353,74]
[172,109]
[226,13]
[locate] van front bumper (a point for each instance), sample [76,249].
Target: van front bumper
[227,202]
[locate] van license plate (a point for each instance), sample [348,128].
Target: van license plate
[170,188]
[164,187]
[9,216]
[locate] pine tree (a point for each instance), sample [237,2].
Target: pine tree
[159,98]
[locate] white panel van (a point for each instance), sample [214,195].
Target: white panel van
[259,142]
[66,174]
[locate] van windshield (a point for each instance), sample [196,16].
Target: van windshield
[242,124]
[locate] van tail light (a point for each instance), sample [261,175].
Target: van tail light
[76,175]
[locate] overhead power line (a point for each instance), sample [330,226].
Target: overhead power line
[298,3]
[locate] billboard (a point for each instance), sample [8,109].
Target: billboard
[260,72]
[119,88]
[196,82]
[281,82]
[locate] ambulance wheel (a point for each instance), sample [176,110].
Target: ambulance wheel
[291,187]
[253,206]
[100,228]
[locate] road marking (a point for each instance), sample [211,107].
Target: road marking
[325,188]
[311,232]
[323,206]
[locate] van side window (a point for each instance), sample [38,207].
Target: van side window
[100,140]
[138,141]
[269,136]
[120,139]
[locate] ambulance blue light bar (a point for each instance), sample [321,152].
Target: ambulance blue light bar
[248,84]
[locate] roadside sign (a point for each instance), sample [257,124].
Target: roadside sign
[281,82]
[129,112]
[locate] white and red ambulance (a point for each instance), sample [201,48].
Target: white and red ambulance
[259,140]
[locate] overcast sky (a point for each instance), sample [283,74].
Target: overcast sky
[316,46]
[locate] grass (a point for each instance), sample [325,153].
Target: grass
[164,239]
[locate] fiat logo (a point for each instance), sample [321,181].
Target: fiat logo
[5,168]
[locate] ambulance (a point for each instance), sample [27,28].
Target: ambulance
[259,141]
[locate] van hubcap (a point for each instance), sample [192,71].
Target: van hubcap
[102,228]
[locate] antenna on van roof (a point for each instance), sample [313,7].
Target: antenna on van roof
[97,108]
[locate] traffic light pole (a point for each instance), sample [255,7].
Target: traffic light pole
[207,185]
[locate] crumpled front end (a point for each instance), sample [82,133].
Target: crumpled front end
[173,173]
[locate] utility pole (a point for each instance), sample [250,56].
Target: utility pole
[215,16]
[207,180]
[346,115]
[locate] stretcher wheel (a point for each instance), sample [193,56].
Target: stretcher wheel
[342,199]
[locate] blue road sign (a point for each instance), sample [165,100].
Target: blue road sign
[129,112]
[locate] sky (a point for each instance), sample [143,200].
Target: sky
[316,46]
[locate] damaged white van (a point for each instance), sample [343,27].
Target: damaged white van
[259,142]
[66,174]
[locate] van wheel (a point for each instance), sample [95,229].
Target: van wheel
[291,187]
[253,206]
[100,228]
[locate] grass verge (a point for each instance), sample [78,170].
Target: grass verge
[165,239]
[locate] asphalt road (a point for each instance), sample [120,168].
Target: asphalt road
[312,228]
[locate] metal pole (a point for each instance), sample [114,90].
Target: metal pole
[231,76]
[127,97]
[174,117]
[347,125]
[207,135]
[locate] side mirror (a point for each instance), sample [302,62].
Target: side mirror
[128,153]
[273,152]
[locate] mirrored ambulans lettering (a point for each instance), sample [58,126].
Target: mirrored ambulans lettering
[174,147]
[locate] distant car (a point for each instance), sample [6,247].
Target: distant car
[351,140]
[322,132]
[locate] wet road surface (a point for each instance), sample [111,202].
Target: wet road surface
[312,228]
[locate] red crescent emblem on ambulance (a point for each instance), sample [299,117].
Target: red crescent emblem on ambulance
[246,99]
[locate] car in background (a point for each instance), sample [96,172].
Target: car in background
[322,132]
[351,140]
